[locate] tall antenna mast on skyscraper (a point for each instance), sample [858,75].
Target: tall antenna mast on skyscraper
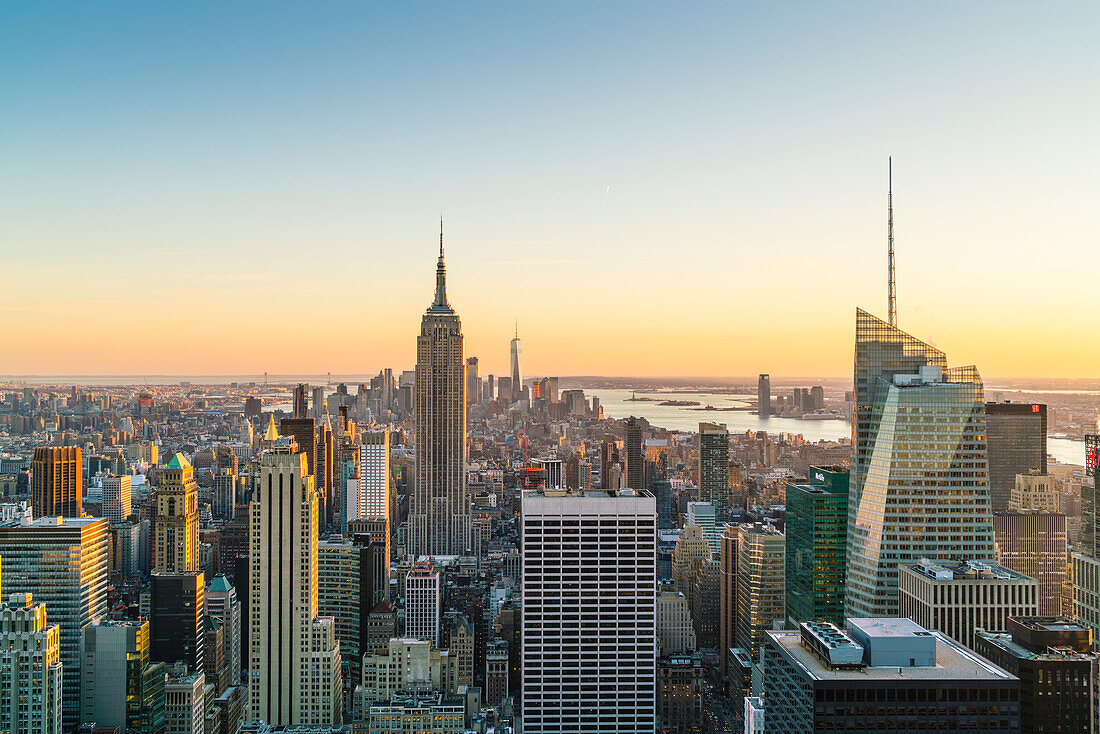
[892,293]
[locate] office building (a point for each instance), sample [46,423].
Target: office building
[496,672]
[440,518]
[701,515]
[473,382]
[375,501]
[516,353]
[318,400]
[764,395]
[727,596]
[680,693]
[57,481]
[184,702]
[30,668]
[423,603]
[116,498]
[675,632]
[352,579]
[294,675]
[634,454]
[223,605]
[690,547]
[714,466]
[177,522]
[1035,544]
[404,663]
[176,609]
[304,431]
[1053,658]
[958,597]
[1016,435]
[919,484]
[588,658]
[120,683]
[64,564]
[816,525]
[1033,491]
[416,712]
[882,675]
[760,583]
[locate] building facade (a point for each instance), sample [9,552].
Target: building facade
[440,517]
[294,659]
[761,550]
[816,529]
[919,486]
[177,522]
[1017,439]
[589,643]
[1035,545]
[959,597]
[714,466]
[57,481]
[30,668]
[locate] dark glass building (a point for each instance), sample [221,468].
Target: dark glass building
[1016,435]
[57,481]
[1052,657]
[816,536]
[714,467]
[176,609]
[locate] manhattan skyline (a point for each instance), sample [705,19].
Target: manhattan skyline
[714,160]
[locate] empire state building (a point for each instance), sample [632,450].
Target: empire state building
[440,517]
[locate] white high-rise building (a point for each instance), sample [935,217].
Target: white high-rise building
[116,498]
[423,603]
[589,637]
[294,657]
[374,477]
[223,605]
[701,515]
[30,668]
[440,517]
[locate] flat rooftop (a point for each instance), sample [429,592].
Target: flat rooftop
[964,570]
[953,662]
[1006,643]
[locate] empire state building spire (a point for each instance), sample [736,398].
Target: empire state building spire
[440,303]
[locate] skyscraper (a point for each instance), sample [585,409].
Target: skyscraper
[816,531]
[589,641]
[177,522]
[714,466]
[295,658]
[635,454]
[440,517]
[57,483]
[423,603]
[517,375]
[30,668]
[223,605]
[920,484]
[176,610]
[764,395]
[64,564]
[1034,543]
[1016,434]
[473,382]
[120,685]
[727,595]
[760,583]
[301,400]
[116,498]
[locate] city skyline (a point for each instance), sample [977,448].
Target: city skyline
[751,171]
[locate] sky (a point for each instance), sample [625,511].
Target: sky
[649,189]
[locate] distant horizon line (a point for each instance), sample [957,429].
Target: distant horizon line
[334,376]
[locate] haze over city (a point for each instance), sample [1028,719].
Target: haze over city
[689,190]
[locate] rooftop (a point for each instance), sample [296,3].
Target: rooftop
[953,661]
[964,570]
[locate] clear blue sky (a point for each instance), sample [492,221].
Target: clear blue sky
[680,188]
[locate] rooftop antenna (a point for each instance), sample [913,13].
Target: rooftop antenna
[892,293]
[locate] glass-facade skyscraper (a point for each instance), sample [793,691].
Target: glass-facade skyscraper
[816,534]
[714,466]
[920,484]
